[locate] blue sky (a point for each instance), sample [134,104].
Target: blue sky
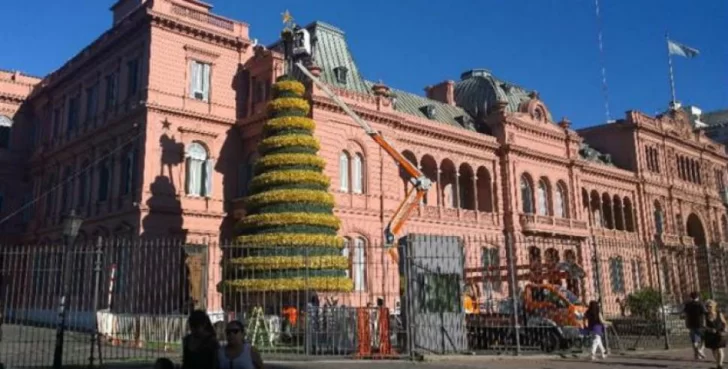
[546,45]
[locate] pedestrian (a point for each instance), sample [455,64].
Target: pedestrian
[715,332]
[200,347]
[237,353]
[596,326]
[695,312]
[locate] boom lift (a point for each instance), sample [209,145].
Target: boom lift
[420,183]
[297,47]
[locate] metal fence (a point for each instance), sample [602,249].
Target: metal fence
[128,300]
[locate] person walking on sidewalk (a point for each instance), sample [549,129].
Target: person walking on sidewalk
[715,332]
[596,326]
[695,322]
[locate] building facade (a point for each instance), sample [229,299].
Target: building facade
[152,131]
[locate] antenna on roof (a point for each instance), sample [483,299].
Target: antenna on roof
[605,91]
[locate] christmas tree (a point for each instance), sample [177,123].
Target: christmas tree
[289,234]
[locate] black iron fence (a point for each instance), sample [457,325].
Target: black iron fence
[127,301]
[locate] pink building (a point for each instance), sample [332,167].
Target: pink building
[152,129]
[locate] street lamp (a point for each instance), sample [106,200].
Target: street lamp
[71,226]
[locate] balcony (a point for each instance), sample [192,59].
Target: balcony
[551,224]
[615,233]
[457,215]
[687,240]
[668,239]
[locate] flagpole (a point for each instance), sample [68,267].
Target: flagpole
[672,76]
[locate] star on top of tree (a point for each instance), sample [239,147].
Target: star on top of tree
[287,18]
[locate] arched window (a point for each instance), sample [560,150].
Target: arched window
[628,214]
[357,175]
[345,252]
[344,171]
[724,226]
[359,261]
[199,170]
[542,198]
[560,202]
[527,195]
[6,125]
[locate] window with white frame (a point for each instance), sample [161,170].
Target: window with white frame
[543,198]
[358,264]
[345,252]
[560,201]
[198,170]
[344,171]
[200,80]
[351,173]
[526,195]
[357,175]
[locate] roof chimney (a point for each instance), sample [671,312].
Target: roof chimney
[443,92]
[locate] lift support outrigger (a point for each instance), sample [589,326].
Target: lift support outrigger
[420,183]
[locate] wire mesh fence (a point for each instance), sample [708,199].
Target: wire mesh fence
[128,301]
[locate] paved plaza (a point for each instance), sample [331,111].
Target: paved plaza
[33,347]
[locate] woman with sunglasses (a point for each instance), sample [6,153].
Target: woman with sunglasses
[238,354]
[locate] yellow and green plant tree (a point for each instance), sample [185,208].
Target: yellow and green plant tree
[288,236]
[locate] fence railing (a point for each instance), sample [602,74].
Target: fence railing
[128,300]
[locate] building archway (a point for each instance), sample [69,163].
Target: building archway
[696,230]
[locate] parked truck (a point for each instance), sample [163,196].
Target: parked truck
[549,315]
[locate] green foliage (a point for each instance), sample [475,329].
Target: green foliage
[644,303]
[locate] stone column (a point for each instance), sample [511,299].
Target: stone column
[439,191]
[476,201]
[456,191]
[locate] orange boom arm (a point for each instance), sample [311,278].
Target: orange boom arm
[420,183]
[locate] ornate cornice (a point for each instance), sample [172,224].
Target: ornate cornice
[12,98]
[197,131]
[534,128]
[196,31]
[609,172]
[190,114]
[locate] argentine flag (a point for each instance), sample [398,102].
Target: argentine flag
[681,50]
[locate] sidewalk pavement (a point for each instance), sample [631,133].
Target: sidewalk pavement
[674,359]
